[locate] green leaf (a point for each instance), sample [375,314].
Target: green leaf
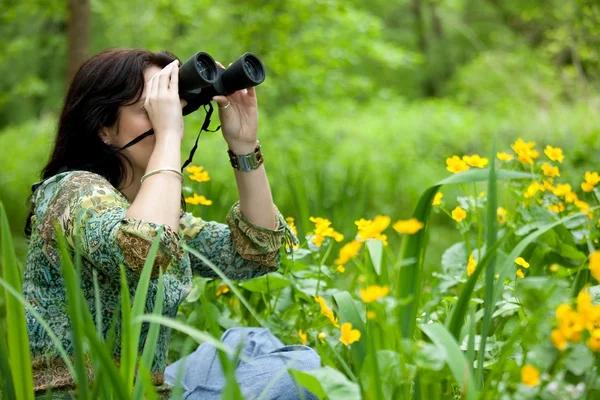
[409,278]
[375,248]
[455,358]
[266,283]
[491,226]
[327,383]
[17,343]
[430,357]
[580,359]
[348,312]
[151,339]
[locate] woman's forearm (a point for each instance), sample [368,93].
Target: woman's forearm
[158,199]
[256,201]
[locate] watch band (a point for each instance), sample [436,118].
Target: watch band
[246,162]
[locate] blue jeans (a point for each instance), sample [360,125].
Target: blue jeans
[265,364]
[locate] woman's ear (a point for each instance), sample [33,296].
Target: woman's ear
[105,135]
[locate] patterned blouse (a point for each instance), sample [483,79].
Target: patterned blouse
[90,210]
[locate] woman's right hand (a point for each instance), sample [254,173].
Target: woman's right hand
[163,105]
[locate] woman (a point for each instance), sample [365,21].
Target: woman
[113,202]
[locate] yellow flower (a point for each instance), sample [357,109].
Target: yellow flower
[471,265]
[557,208]
[349,335]
[570,323]
[437,200]
[348,252]
[521,261]
[409,226]
[341,269]
[290,221]
[222,289]
[501,215]
[198,174]
[558,340]
[371,315]
[532,190]
[323,230]
[594,341]
[550,171]
[456,165]
[475,161]
[595,264]
[587,187]
[548,184]
[322,336]
[371,229]
[592,177]
[374,292]
[525,151]
[530,375]
[504,156]
[458,214]
[583,207]
[562,189]
[195,200]
[554,153]
[553,267]
[326,311]
[302,336]
[520,273]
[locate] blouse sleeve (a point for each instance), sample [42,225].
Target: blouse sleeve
[240,249]
[91,213]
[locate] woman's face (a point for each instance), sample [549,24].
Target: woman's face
[133,122]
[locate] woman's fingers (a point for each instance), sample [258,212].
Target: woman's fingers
[174,79]
[164,78]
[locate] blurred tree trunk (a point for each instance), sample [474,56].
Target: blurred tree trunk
[428,86]
[80,15]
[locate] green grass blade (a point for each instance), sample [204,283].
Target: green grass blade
[455,358]
[17,336]
[490,271]
[128,352]
[151,339]
[194,333]
[75,311]
[456,318]
[228,281]
[348,312]
[413,253]
[105,360]
[55,340]
[98,304]
[507,266]
[7,388]
[139,302]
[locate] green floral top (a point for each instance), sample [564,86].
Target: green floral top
[89,208]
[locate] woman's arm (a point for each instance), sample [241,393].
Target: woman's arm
[256,201]
[240,248]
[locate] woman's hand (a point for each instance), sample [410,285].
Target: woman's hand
[163,105]
[239,122]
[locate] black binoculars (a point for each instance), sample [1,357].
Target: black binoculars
[200,78]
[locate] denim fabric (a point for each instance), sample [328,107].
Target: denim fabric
[264,363]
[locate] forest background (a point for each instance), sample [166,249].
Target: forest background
[363,101]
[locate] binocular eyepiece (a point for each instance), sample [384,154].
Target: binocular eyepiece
[200,78]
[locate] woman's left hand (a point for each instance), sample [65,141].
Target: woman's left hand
[239,122]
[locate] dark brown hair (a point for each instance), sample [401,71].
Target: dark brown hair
[105,82]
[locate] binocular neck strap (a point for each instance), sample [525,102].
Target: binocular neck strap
[205,126]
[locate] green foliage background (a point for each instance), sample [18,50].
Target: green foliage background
[363,100]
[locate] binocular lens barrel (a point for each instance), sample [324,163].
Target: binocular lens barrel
[199,71]
[200,76]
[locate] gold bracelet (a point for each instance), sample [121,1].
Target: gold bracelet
[156,171]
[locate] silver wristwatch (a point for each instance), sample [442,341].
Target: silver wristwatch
[246,162]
